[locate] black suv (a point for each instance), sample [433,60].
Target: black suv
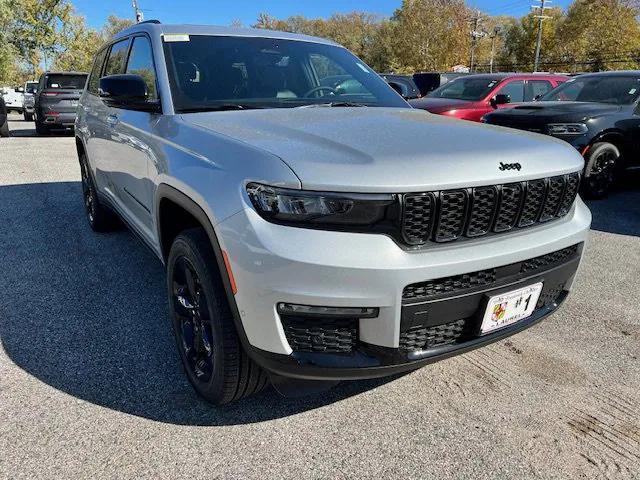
[599,114]
[57,98]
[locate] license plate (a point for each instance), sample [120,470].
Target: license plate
[511,307]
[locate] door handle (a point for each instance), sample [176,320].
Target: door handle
[112,120]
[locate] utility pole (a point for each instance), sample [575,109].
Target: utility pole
[541,17]
[138,12]
[475,35]
[496,31]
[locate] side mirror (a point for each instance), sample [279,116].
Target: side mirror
[500,99]
[20,89]
[128,92]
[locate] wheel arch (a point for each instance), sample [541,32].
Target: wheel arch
[168,200]
[614,137]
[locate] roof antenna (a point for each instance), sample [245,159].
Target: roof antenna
[139,14]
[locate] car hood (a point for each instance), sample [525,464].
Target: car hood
[390,149]
[439,105]
[556,111]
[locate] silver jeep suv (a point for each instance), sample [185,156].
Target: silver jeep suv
[314,227]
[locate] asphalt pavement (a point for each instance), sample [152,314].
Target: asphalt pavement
[91,385]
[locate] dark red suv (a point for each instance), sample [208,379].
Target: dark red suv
[472,96]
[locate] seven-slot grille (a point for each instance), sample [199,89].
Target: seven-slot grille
[473,212]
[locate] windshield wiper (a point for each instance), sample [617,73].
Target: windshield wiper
[334,104]
[218,108]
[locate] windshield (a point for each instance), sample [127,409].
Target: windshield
[470,88]
[68,82]
[213,72]
[618,90]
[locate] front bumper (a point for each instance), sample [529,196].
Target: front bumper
[273,263]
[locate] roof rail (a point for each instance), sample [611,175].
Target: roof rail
[149,21]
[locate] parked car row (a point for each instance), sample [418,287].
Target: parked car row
[598,114]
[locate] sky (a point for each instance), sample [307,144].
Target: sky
[220,12]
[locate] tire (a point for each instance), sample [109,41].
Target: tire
[100,218]
[601,162]
[28,117]
[4,129]
[41,128]
[212,356]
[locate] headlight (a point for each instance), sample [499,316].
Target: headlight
[567,128]
[342,210]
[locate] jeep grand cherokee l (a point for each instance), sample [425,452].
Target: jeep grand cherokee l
[312,235]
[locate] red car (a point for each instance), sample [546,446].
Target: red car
[470,97]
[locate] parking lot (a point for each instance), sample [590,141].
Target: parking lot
[91,383]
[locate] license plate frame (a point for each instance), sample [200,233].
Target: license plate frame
[508,308]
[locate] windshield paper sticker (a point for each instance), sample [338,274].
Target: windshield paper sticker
[175,37]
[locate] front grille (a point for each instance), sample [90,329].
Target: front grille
[422,338]
[317,334]
[451,284]
[549,259]
[457,284]
[448,215]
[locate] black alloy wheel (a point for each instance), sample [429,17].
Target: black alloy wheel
[600,171]
[192,323]
[212,355]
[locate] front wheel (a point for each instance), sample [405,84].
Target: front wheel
[599,173]
[213,358]
[28,117]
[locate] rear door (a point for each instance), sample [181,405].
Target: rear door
[60,94]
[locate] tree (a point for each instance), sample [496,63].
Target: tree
[520,41]
[601,35]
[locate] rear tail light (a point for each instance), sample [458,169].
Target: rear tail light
[49,94]
[52,114]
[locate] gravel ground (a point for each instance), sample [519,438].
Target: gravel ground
[91,386]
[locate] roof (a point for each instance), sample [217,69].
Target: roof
[161,29]
[613,73]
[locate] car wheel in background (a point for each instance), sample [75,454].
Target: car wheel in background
[599,173]
[100,218]
[213,358]
[4,129]
[28,117]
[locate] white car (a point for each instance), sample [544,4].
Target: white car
[13,98]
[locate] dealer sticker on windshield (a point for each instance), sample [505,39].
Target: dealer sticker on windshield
[511,307]
[175,37]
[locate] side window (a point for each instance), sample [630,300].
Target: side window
[141,63]
[536,88]
[515,90]
[94,79]
[117,57]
